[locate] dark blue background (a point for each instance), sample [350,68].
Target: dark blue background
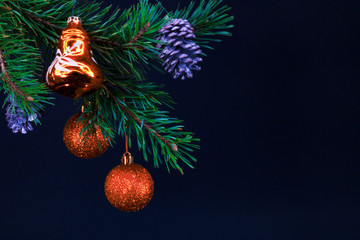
[278,112]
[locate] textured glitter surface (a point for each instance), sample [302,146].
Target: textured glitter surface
[129,187]
[75,143]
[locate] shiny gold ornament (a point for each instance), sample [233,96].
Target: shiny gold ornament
[76,144]
[129,186]
[74,72]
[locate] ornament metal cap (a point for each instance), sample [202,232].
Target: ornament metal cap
[127,158]
[74,19]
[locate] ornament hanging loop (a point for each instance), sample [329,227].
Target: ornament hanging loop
[127,158]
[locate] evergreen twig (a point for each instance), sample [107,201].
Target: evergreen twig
[40,20]
[141,32]
[93,38]
[143,123]
[6,78]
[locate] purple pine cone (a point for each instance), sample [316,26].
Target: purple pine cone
[180,53]
[18,120]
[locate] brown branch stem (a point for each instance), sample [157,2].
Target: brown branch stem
[198,28]
[42,21]
[106,42]
[6,78]
[141,32]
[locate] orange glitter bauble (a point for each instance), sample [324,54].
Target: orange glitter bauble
[87,144]
[74,72]
[129,187]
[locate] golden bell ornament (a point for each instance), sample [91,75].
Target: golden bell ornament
[74,72]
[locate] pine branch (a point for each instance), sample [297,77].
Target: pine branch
[209,19]
[95,39]
[199,27]
[172,146]
[6,78]
[124,46]
[42,21]
[20,64]
[141,122]
[140,34]
[106,42]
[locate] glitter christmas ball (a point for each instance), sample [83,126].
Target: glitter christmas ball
[88,148]
[74,72]
[129,187]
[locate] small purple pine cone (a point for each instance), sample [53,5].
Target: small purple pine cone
[18,120]
[180,54]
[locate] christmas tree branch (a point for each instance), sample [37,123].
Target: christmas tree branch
[40,20]
[6,78]
[140,34]
[106,42]
[124,45]
[20,65]
[136,112]
[144,124]
[95,39]
[209,20]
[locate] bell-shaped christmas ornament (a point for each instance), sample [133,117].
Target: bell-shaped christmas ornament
[74,72]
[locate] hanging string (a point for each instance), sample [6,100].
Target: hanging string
[126,143]
[75,4]
[126,137]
